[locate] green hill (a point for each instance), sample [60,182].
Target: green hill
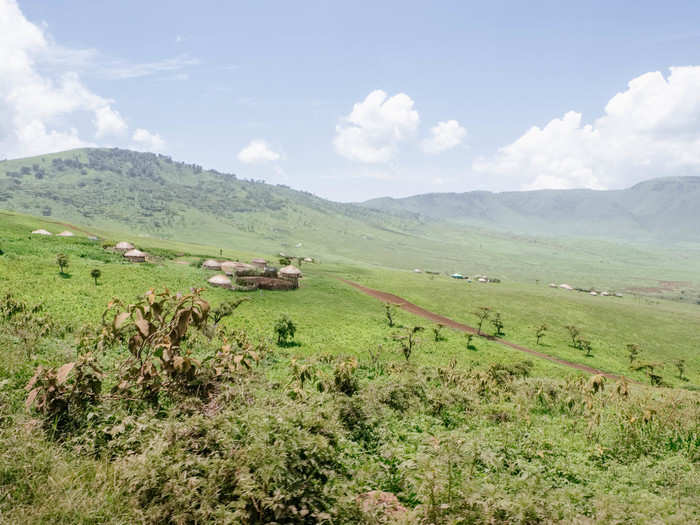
[656,210]
[117,192]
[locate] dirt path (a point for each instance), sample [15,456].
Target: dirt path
[426,314]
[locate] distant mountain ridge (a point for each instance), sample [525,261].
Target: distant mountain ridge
[657,209]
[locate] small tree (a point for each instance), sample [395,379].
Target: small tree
[483,313]
[585,346]
[285,330]
[574,332]
[62,261]
[437,329]
[95,274]
[390,310]
[408,340]
[497,323]
[680,366]
[470,346]
[650,370]
[285,261]
[633,352]
[540,333]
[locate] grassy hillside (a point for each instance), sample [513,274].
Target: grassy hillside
[660,210]
[144,196]
[456,434]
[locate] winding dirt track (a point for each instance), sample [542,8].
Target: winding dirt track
[426,314]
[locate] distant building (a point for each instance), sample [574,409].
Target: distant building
[42,232]
[136,256]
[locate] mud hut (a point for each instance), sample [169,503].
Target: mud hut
[211,264]
[239,268]
[136,256]
[259,263]
[65,233]
[291,273]
[41,232]
[123,246]
[220,280]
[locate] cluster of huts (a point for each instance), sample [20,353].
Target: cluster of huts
[256,275]
[65,233]
[130,253]
[589,291]
[477,278]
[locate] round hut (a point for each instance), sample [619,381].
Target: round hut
[41,231]
[220,280]
[291,273]
[65,233]
[123,246]
[259,263]
[136,256]
[211,264]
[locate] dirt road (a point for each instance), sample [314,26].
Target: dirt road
[426,314]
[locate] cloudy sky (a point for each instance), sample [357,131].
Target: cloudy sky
[363,99]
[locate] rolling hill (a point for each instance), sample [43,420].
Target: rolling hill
[656,210]
[117,192]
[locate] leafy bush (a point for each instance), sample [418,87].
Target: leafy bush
[285,330]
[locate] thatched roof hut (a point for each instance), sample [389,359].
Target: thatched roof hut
[123,246]
[211,264]
[65,233]
[259,263]
[41,231]
[220,280]
[238,268]
[135,255]
[291,273]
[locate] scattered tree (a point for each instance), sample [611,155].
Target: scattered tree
[650,370]
[285,330]
[585,346]
[680,366]
[470,346]
[285,261]
[408,340]
[62,261]
[497,323]
[574,332]
[633,352]
[437,332]
[540,333]
[390,309]
[95,274]
[483,313]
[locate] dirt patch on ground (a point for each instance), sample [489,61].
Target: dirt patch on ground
[426,314]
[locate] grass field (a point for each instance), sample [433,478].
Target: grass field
[458,435]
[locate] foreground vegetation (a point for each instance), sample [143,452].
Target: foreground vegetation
[165,407]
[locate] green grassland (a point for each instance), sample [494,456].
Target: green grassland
[459,435]
[151,197]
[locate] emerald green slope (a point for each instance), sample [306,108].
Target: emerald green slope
[149,194]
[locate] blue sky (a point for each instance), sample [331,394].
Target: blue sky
[200,81]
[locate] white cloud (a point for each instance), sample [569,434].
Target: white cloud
[144,140]
[375,127]
[444,136]
[123,70]
[109,122]
[651,129]
[44,106]
[257,151]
